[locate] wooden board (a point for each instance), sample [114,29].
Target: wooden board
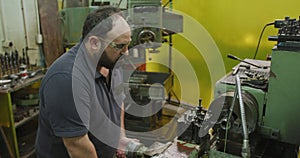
[50,28]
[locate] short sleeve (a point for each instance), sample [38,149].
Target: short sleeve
[62,113]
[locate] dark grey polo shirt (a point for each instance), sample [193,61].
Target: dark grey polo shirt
[75,101]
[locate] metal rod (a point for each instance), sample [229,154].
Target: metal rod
[2,22]
[24,24]
[37,16]
[245,148]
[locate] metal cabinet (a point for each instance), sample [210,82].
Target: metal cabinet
[11,125]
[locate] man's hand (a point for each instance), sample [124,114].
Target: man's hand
[121,152]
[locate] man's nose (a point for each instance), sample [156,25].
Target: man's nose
[125,51]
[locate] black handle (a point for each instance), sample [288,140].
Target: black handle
[233,57]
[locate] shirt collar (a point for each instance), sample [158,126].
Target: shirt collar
[98,75]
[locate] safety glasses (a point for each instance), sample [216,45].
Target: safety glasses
[114,45]
[118,46]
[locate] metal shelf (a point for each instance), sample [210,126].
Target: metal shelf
[23,84]
[7,113]
[20,123]
[29,154]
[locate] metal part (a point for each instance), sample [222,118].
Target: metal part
[145,19]
[244,61]
[4,82]
[146,37]
[145,96]
[288,34]
[250,76]
[148,85]
[189,125]
[231,119]
[246,147]
[157,148]
[135,150]
[251,107]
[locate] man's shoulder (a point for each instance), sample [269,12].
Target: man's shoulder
[59,69]
[63,64]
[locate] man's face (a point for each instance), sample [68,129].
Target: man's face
[119,37]
[115,50]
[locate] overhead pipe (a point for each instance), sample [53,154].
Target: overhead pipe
[39,37]
[2,23]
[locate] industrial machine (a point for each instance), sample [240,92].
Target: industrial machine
[148,19]
[255,110]
[146,92]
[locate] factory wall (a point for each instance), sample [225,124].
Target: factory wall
[234,26]
[19,25]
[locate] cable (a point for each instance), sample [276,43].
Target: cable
[229,117]
[62,4]
[120,3]
[261,37]
[166,4]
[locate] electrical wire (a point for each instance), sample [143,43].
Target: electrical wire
[62,4]
[229,117]
[166,4]
[258,43]
[120,3]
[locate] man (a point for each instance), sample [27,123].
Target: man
[81,112]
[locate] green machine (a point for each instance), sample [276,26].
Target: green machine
[270,97]
[284,92]
[71,22]
[151,25]
[255,111]
[283,104]
[148,20]
[145,17]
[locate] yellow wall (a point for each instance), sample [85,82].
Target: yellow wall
[234,26]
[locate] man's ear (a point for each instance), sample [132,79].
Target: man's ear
[94,43]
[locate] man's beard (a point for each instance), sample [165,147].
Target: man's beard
[104,61]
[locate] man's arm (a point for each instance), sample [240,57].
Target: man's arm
[122,122]
[80,147]
[123,140]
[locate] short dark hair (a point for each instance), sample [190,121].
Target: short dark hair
[100,15]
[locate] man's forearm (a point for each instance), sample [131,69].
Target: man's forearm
[122,134]
[80,147]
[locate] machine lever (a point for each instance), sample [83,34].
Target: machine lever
[236,58]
